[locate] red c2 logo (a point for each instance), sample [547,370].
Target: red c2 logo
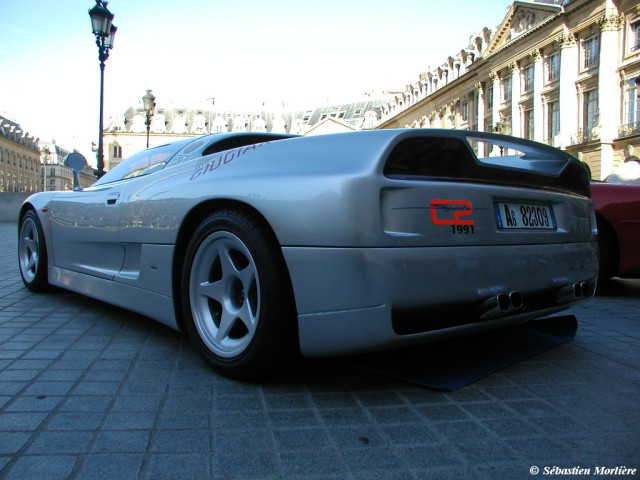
[460,208]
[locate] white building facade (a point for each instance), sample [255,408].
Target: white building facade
[19,159]
[566,73]
[127,134]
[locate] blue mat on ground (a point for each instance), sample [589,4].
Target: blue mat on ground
[452,364]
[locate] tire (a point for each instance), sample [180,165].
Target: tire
[32,253]
[236,295]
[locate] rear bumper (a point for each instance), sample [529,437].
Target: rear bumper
[353,300]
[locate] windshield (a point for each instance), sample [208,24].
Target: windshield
[144,162]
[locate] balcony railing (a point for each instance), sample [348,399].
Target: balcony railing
[629,129]
[585,136]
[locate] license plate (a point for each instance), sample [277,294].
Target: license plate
[524,216]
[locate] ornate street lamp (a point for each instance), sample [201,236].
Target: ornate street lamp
[105,32]
[149,104]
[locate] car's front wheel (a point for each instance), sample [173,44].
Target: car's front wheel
[236,295]
[32,253]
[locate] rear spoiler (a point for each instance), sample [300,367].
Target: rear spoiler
[470,156]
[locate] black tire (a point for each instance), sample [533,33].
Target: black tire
[236,295]
[32,253]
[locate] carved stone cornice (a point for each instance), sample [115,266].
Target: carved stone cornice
[611,22]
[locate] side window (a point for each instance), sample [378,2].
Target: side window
[148,164]
[142,163]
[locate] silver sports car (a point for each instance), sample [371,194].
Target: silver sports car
[261,245]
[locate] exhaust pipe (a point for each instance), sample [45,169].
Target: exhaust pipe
[502,300]
[515,300]
[585,289]
[499,305]
[569,293]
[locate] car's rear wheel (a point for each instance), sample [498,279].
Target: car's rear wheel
[236,295]
[32,253]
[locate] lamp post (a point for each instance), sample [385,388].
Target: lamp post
[149,104]
[105,32]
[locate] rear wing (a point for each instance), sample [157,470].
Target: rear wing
[470,156]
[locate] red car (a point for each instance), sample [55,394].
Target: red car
[618,218]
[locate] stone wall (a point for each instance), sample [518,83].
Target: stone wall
[10,203]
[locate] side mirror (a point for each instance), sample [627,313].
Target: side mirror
[76,162]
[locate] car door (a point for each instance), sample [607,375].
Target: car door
[85,230]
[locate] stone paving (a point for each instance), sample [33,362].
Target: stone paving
[90,391]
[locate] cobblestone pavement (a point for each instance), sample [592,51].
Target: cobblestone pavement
[90,391]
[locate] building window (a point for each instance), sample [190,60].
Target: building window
[465,111]
[635,35]
[117,151]
[527,78]
[553,67]
[528,124]
[590,49]
[490,98]
[506,88]
[553,120]
[590,109]
[631,108]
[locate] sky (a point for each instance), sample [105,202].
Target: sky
[305,53]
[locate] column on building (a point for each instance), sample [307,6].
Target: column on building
[515,100]
[569,62]
[495,113]
[480,104]
[538,107]
[608,89]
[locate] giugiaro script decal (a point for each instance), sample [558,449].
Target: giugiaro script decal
[210,163]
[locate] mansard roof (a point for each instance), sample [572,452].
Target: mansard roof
[12,132]
[350,111]
[330,125]
[521,18]
[352,114]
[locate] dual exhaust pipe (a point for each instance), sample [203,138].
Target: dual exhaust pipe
[500,305]
[569,293]
[503,304]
